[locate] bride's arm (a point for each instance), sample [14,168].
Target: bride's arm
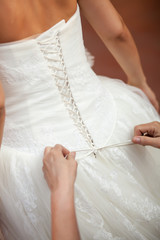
[2,112]
[111,28]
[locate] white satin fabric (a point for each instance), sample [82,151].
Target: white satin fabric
[53,96]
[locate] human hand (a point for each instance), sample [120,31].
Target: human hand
[59,171]
[151,95]
[147,134]
[148,91]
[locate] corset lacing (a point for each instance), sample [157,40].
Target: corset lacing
[96,149]
[52,51]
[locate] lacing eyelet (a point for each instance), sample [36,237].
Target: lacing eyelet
[51,49]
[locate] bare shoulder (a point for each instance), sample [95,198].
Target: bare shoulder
[20,18]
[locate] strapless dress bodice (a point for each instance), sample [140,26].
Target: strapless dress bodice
[52,94]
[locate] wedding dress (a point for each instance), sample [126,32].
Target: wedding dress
[53,96]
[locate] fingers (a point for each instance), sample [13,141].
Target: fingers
[57,169]
[72,163]
[153,134]
[71,156]
[57,150]
[139,130]
[152,129]
[142,140]
[47,150]
[60,150]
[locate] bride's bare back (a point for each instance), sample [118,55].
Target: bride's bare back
[20,18]
[23,18]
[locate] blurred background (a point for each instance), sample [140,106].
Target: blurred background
[143,20]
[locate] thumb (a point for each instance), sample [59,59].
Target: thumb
[71,156]
[143,140]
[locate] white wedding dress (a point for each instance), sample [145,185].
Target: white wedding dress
[53,96]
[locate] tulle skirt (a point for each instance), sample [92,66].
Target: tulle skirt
[117,192]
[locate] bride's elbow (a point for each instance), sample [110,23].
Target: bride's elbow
[118,31]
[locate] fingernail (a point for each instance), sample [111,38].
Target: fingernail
[137,139]
[73,154]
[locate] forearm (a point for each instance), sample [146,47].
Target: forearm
[2,119]
[64,223]
[110,27]
[124,50]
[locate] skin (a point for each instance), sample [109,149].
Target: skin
[60,174]
[2,112]
[20,18]
[152,134]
